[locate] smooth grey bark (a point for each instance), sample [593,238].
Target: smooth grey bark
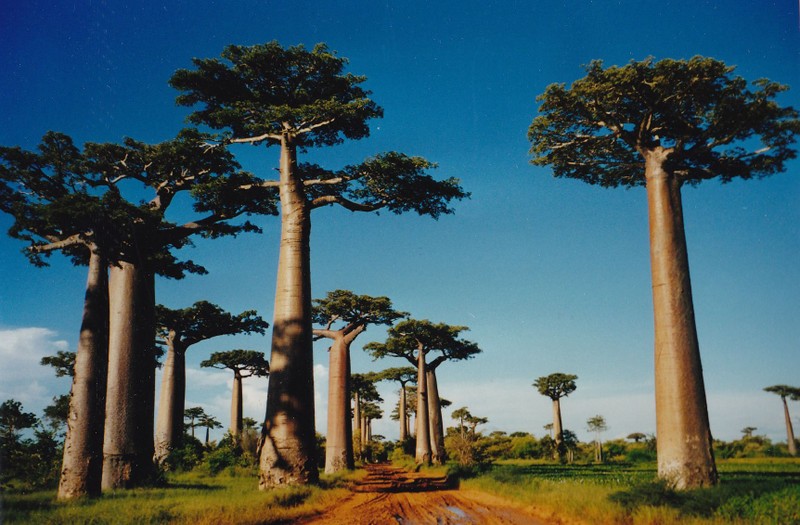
[236,406]
[82,464]
[171,402]
[289,441]
[422,453]
[339,443]
[436,425]
[789,430]
[128,436]
[558,430]
[403,417]
[356,431]
[684,443]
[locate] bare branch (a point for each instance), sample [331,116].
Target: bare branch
[326,200]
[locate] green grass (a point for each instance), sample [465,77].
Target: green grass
[189,498]
[751,491]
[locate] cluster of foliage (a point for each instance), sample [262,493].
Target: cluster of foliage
[31,461]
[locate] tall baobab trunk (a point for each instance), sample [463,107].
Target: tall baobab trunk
[438,453]
[685,456]
[236,406]
[423,448]
[171,402]
[287,456]
[402,413]
[358,448]
[789,430]
[339,443]
[558,431]
[128,437]
[82,465]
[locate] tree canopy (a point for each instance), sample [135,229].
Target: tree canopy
[708,121]
[784,391]
[343,306]
[411,335]
[204,320]
[244,363]
[557,385]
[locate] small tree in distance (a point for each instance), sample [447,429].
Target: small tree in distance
[793,393]
[597,424]
[243,363]
[555,386]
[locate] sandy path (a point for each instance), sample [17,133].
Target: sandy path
[390,495]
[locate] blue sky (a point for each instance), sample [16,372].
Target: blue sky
[550,275]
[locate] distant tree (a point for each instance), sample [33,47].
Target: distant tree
[296,98]
[555,386]
[794,393]
[63,363]
[549,428]
[662,125]
[193,414]
[402,375]
[209,422]
[345,316]
[636,436]
[414,340]
[57,413]
[363,391]
[178,330]
[597,424]
[243,363]
[13,420]
[747,432]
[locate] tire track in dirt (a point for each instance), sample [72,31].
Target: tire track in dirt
[393,496]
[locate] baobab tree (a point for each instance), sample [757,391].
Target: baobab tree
[47,193]
[402,375]
[414,340]
[345,316]
[193,414]
[664,124]
[597,424]
[555,386]
[294,98]
[178,330]
[243,363]
[793,393]
[209,422]
[363,391]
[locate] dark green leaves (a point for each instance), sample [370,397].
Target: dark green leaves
[205,320]
[243,362]
[556,386]
[710,121]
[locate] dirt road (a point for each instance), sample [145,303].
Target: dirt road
[389,495]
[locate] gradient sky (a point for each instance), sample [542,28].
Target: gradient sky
[550,275]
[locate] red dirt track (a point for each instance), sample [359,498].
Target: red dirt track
[393,496]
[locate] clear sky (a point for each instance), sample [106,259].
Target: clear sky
[550,275]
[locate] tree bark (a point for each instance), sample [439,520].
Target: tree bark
[236,406]
[685,456]
[789,430]
[558,431]
[423,448]
[171,402]
[438,453]
[128,437]
[82,465]
[402,413]
[357,445]
[287,455]
[339,444]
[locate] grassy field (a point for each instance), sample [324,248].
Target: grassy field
[751,491]
[191,498]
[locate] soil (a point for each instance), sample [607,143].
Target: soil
[391,495]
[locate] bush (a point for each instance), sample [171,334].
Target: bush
[187,457]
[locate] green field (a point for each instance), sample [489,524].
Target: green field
[751,491]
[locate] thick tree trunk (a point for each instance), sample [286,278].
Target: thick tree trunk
[171,403]
[236,406]
[423,448]
[128,437]
[287,455]
[789,430]
[402,413]
[438,453]
[685,456]
[339,445]
[82,466]
[357,445]
[558,431]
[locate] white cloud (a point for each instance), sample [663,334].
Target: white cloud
[22,377]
